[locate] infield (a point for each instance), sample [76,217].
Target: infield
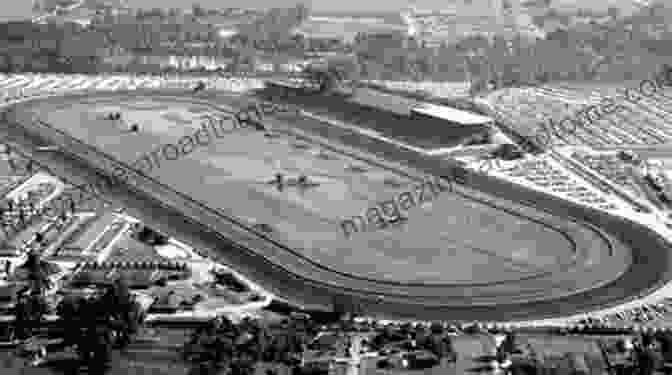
[451,240]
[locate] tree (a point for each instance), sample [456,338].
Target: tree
[509,346]
[69,311]
[665,339]
[439,343]
[28,313]
[90,323]
[211,348]
[94,341]
[37,272]
[125,314]
[334,72]
[646,359]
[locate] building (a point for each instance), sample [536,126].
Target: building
[415,122]
[427,116]
[452,116]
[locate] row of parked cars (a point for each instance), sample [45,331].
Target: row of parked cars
[646,123]
[653,314]
[22,86]
[545,174]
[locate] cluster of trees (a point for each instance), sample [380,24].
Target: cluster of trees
[237,348]
[196,10]
[333,72]
[433,339]
[622,48]
[14,218]
[224,347]
[273,32]
[160,33]
[275,26]
[151,35]
[25,46]
[157,30]
[619,49]
[93,325]
[31,305]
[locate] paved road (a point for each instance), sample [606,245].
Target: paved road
[647,269]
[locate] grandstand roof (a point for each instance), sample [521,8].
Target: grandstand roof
[451,114]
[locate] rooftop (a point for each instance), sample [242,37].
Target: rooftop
[451,114]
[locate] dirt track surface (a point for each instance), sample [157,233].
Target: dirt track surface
[287,274]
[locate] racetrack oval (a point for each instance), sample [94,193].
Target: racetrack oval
[453,301]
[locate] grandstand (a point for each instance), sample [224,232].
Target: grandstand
[453,116]
[432,116]
[406,120]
